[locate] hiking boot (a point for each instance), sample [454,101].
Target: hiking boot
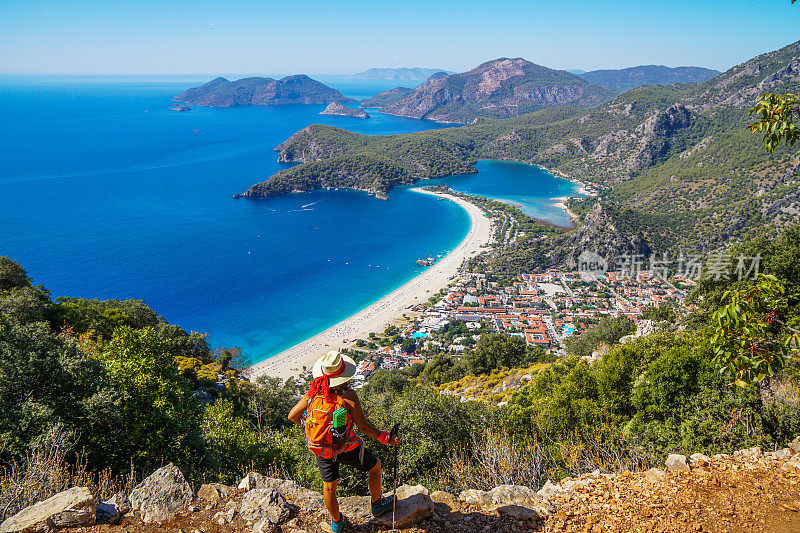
[385,503]
[338,527]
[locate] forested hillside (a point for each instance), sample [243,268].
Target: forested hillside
[676,165]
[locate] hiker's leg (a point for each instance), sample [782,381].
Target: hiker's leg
[329,493]
[375,481]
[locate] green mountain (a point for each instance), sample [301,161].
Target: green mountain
[500,88]
[386,98]
[629,78]
[298,89]
[675,165]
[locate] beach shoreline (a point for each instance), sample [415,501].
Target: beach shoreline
[376,316]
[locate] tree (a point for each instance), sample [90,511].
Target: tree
[752,339]
[778,113]
[408,345]
[496,350]
[12,275]
[269,403]
[156,416]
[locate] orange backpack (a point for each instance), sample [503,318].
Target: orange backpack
[319,428]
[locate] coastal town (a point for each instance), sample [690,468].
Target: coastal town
[545,309]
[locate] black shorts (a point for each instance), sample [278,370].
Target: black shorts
[329,468]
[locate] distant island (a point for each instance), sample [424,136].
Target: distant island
[338,109]
[504,87]
[298,89]
[387,98]
[629,78]
[398,74]
[675,164]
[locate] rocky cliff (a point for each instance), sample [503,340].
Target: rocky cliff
[500,88]
[299,89]
[338,109]
[751,490]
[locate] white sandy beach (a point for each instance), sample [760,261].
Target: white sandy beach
[375,317]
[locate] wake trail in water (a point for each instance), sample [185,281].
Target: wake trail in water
[312,203]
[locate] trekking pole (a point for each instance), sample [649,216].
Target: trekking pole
[392,434]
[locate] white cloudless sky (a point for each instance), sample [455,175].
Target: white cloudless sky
[327,37]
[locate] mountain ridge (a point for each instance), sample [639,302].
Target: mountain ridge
[498,88]
[676,165]
[417,74]
[629,78]
[296,89]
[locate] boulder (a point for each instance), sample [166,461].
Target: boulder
[160,497]
[269,504]
[445,503]
[71,508]
[750,453]
[481,498]
[413,505]
[698,459]
[676,461]
[214,492]
[782,455]
[517,500]
[265,526]
[112,511]
[654,475]
[304,499]
[548,490]
[251,481]
[795,445]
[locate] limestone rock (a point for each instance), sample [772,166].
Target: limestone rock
[782,455]
[445,503]
[304,499]
[795,445]
[413,505]
[477,497]
[750,453]
[214,492]
[112,511]
[71,508]
[251,481]
[268,504]
[548,490]
[699,459]
[654,474]
[162,495]
[265,526]
[677,461]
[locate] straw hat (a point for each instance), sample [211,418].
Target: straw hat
[331,363]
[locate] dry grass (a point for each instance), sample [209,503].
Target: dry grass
[46,472]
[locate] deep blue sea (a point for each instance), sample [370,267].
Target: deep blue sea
[106,193]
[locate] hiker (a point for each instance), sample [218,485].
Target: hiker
[331,410]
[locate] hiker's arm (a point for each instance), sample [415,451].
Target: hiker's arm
[357,413]
[296,414]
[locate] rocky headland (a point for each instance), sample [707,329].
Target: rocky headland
[338,109]
[298,89]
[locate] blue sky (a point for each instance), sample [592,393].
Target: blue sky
[309,36]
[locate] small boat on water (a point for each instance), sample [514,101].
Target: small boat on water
[177,107]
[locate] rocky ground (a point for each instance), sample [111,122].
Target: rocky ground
[748,491]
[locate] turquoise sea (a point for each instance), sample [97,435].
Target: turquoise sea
[106,193]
